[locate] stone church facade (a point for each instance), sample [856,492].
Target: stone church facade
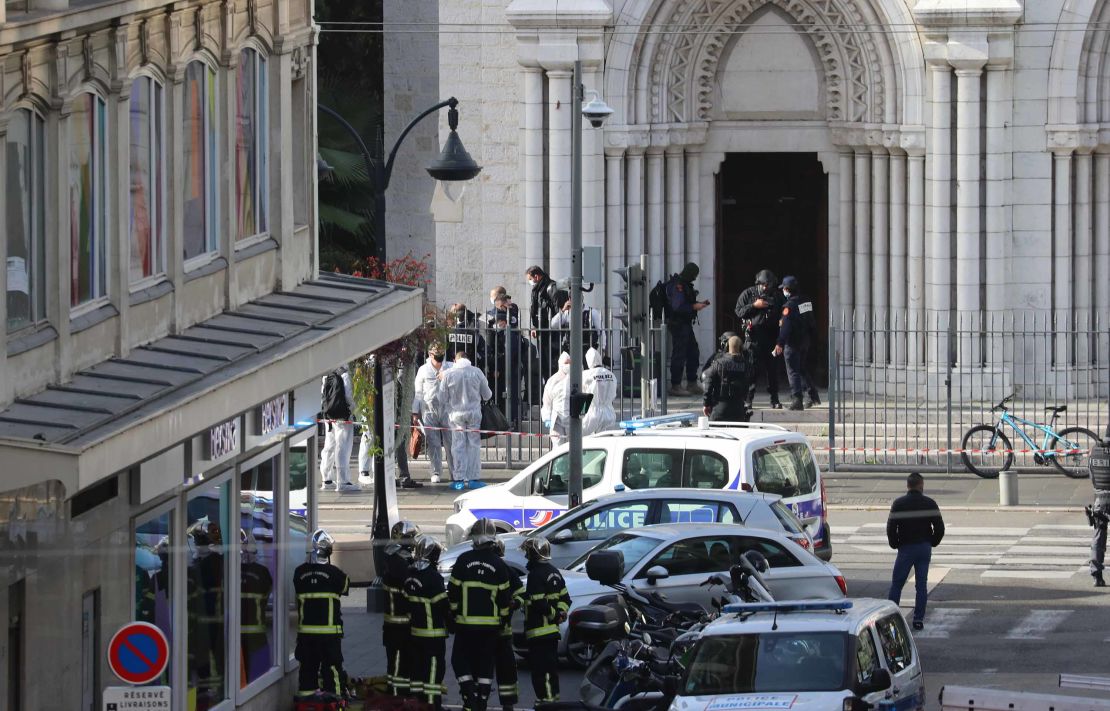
[924,163]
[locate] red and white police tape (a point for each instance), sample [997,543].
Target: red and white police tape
[840,450]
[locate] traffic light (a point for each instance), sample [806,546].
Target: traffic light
[634,298]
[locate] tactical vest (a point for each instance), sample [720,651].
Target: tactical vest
[1100,466]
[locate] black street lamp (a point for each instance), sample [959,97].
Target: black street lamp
[454,164]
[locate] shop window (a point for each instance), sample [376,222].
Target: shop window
[251,144]
[88,200]
[297,534]
[25,218]
[147,189]
[208,515]
[154,575]
[258,568]
[201,160]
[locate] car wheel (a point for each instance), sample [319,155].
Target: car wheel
[580,655]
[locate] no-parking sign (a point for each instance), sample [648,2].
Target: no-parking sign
[138,653]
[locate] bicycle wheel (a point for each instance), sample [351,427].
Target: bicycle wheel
[986,452]
[1074,464]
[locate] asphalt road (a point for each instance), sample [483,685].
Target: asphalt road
[1011,605]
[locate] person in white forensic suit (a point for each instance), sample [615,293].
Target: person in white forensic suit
[430,409]
[335,457]
[599,381]
[555,409]
[464,388]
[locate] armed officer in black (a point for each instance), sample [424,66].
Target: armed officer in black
[395,623]
[319,585]
[480,593]
[726,384]
[546,602]
[1098,513]
[797,329]
[429,617]
[759,306]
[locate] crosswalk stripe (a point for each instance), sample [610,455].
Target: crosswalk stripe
[1037,624]
[943,620]
[1029,574]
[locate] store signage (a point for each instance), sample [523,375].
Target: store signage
[138,654]
[275,415]
[223,440]
[137,698]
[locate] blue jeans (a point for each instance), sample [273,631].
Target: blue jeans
[916,556]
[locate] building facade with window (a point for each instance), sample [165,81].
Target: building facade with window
[165,334]
[914,163]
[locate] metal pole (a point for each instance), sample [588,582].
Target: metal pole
[574,384]
[647,367]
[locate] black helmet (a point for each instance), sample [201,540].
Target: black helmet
[767,277]
[499,546]
[723,340]
[404,533]
[427,551]
[483,533]
[322,545]
[536,548]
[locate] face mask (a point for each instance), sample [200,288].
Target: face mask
[564,367]
[499,327]
[786,293]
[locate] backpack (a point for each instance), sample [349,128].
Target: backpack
[334,400]
[658,303]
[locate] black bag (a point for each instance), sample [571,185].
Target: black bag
[493,420]
[334,400]
[658,302]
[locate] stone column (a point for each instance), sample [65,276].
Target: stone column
[897,280]
[693,206]
[1101,249]
[862,254]
[119,228]
[938,299]
[675,201]
[614,221]
[844,238]
[634,204]
[968,304]
[1082,256]
[999,173]
[655,246]
[532,156]
[558,184]
[1062,259]
[915,254]
[880,250]
[7,387]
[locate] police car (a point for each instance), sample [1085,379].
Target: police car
[659,452]
[805,655]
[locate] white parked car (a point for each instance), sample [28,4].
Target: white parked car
[804,657]
[658,453]
[675,559]
[576,532]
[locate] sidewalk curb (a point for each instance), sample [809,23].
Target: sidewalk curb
[1021,508]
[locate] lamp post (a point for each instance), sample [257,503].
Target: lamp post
[453,164]
[596,111]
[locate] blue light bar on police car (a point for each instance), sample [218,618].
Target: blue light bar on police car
[630,426]
[789,606]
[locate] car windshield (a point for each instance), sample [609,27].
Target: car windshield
[770,662]
[633,546]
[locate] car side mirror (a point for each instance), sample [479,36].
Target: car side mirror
[563,536]
[879,681]
[656,573]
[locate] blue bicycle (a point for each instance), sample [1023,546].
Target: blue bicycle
[987,451]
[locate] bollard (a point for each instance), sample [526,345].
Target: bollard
[1008,488]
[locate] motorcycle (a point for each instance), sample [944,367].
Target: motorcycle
[640,664]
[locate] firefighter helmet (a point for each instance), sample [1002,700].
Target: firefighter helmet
[536,548]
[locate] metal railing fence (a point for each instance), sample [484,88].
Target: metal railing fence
[903,390]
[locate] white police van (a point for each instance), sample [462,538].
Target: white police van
[805,655]
[652,453]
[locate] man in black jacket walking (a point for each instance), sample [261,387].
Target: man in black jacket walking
[914,528]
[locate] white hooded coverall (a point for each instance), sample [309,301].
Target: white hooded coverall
[335,458]
[600,381]
[555,408]
[428,404]
[464,387]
